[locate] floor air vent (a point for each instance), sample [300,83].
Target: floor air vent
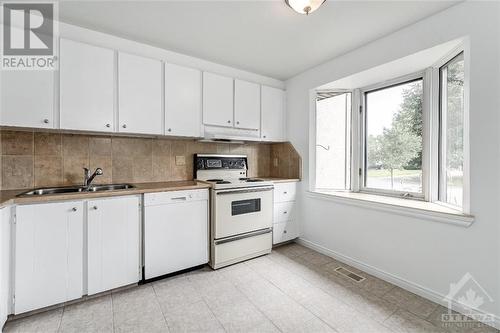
[349,274]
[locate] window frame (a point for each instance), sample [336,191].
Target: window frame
[430,131]
[440,195]
[349,140]
[362,171]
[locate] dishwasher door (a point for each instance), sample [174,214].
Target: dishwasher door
[175,231]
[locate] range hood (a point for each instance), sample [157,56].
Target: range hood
[220,140]
[229,134]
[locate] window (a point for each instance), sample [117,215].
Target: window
[393,138]
[451,163]
[333,133]
[409,138]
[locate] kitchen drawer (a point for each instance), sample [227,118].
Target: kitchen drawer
[285,231]
[162,198]
[284,211]
[285,192]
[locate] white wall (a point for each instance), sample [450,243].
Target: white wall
[425,255]
[113,42]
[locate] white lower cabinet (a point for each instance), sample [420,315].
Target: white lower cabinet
[285,231]
[48,254]
[285,225]
[64,250]
[175,231]
[5,300]
[113,243]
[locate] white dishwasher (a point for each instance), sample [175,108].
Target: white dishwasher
[175,231]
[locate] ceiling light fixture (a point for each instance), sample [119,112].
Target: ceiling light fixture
[304,6]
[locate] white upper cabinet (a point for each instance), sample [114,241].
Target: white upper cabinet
[139,94]
[48,254]
[86,87]
[217,100]
[113,243]
[27,99]
[182,101]
[246,105]
[273,113]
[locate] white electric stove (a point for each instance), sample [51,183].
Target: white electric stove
[241,209]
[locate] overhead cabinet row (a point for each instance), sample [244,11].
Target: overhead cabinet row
[107,91]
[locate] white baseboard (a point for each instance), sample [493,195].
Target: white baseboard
[400,282]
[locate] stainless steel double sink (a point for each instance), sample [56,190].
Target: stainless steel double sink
[76,189]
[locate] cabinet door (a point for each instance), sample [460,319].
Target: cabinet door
[217,100]
[175,237]
[49,254]
[113,243]
[246,105]
[86,86]
[273,100]
[5,300]
[27,99]
[139,95]
[182,101]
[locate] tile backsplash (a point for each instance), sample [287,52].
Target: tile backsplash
[35,159]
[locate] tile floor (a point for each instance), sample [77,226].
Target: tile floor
[294,289]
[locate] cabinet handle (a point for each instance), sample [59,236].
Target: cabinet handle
[124,125]
[74,209]
[284,231]
[45,121]
[285,212]
[285,192]
[237,123]
[229,121]
[264,136]
[180,198]
[95,208]
[108,125]
[170,130]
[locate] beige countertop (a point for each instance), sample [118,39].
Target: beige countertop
[9,197]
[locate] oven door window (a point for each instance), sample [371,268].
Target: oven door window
[245,206]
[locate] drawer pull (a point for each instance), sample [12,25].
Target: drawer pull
[285,192]
[285,212]
[180,198]
[95,208]
[284,231]
[74,209]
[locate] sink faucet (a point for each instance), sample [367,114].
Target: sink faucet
[89,178]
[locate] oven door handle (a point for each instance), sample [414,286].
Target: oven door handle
[243,236]
[253,190]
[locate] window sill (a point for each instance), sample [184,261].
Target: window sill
[407,207]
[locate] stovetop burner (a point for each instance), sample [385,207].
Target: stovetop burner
[250,180]
[219,181]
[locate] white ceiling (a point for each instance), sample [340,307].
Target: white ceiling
[265,36]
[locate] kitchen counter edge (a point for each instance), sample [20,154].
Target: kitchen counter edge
[9,197]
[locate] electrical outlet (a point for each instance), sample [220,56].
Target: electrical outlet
[275,161]
[180,160]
